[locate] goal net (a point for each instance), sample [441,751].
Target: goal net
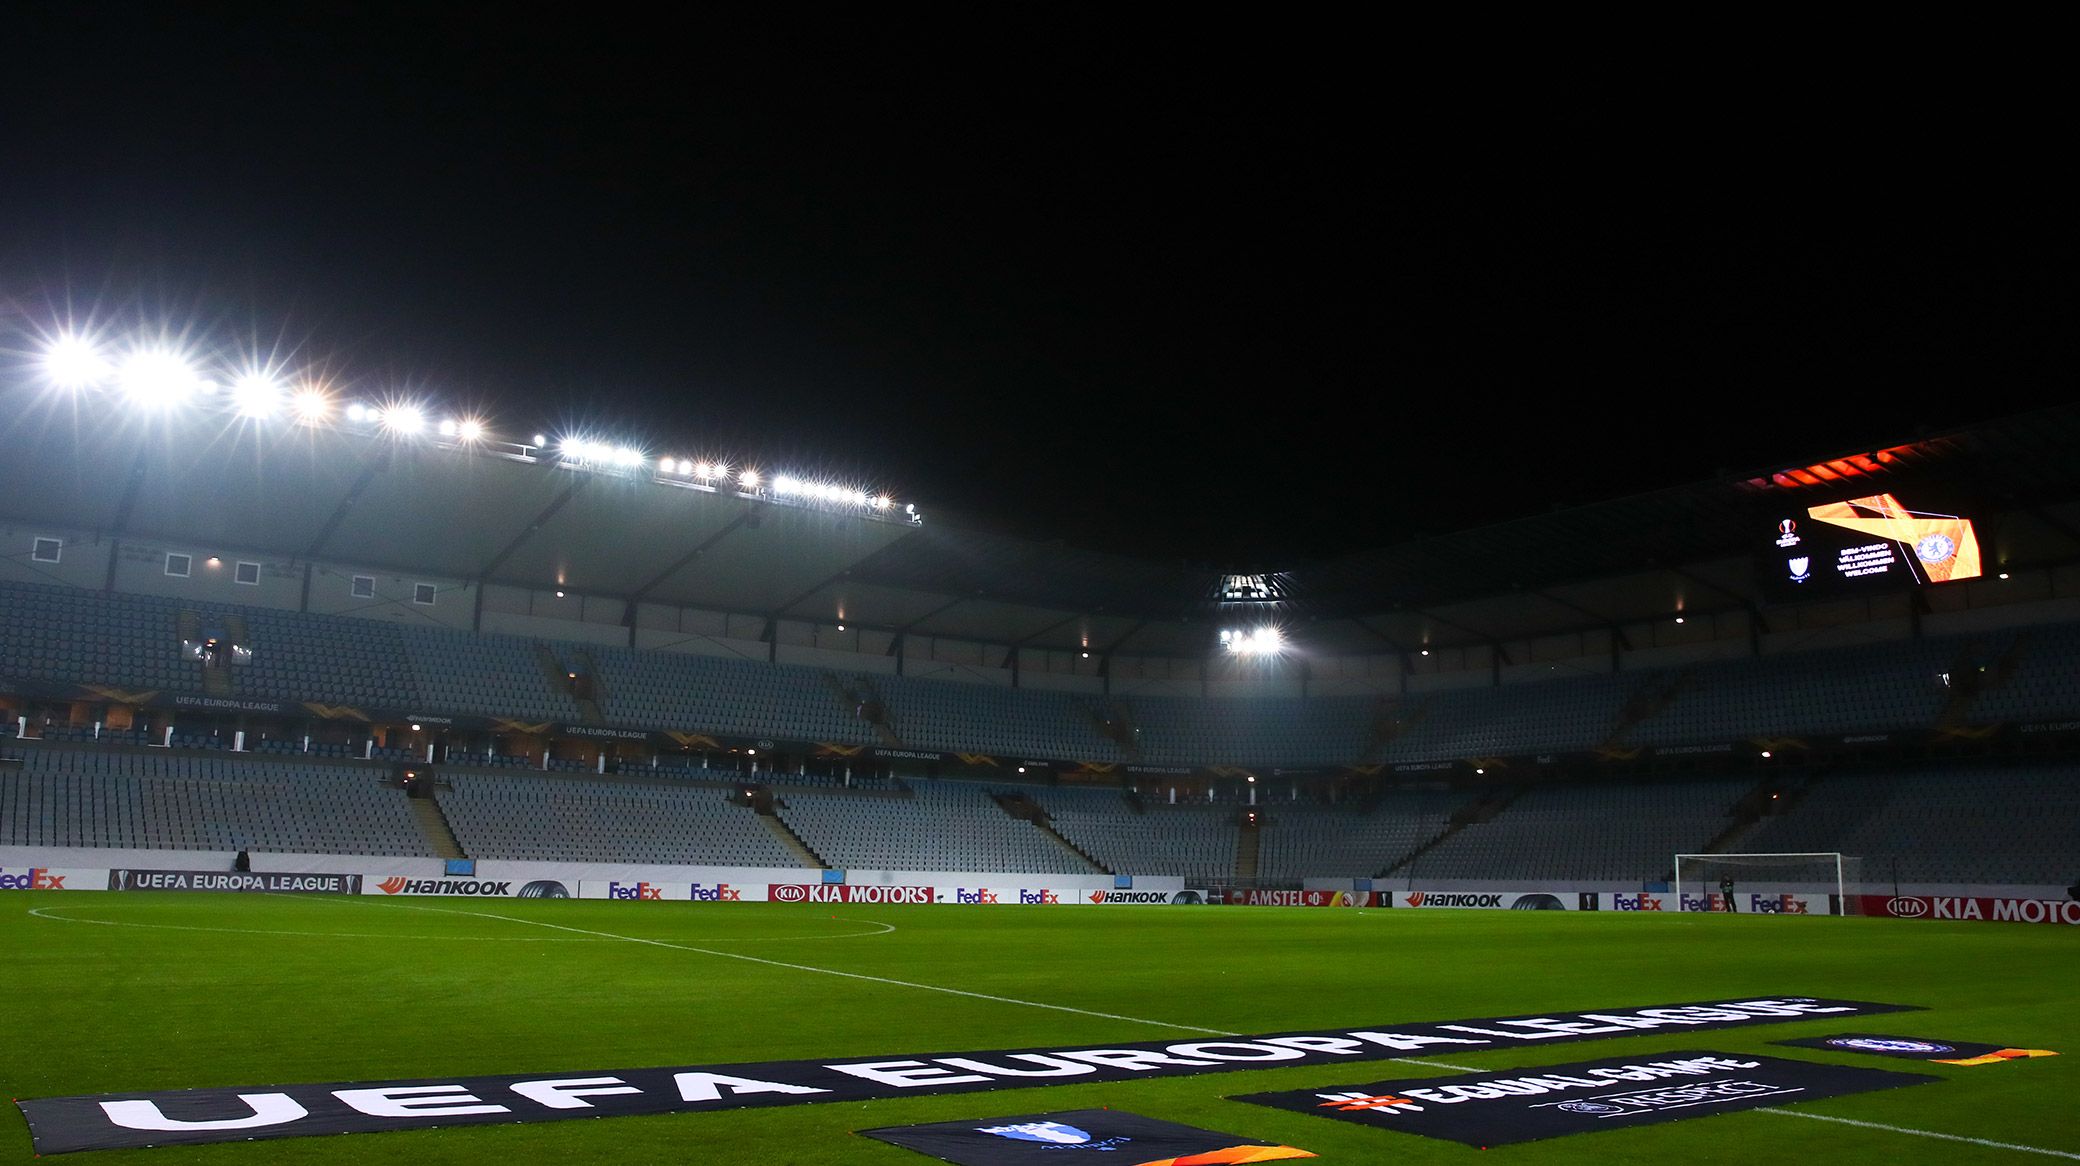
[1769,884]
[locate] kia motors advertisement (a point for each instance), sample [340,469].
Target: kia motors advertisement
[847,893]
[2064,911]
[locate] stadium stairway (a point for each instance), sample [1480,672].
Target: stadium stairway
[1482,808]
[433,823]
[788,838]
[1247,840]
[1025,809]
[860,699]
[592,697]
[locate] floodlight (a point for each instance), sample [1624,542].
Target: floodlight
[859,497]
[884,502]
[256,395]
[787,485]
[665,465]
[909,507]
[748,479]
[157,378]
[540,440]
[447,427]
[403,419]
[626,456]
[310,406]
[357,412]
[72,362]
[469,429]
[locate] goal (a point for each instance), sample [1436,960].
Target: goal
[1825,883]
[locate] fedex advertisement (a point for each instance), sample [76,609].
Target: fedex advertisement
[646,891]
[47,878]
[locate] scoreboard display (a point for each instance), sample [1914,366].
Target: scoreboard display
[1862,545]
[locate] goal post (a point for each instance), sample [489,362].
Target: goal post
[1820,883]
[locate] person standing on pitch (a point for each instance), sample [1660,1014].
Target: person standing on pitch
[1726,894]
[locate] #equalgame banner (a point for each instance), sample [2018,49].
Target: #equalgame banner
[1550,1101]
[239,1113]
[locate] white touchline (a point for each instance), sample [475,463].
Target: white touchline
[1872,1125]
[734,955]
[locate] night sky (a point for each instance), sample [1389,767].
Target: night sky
[1235,294]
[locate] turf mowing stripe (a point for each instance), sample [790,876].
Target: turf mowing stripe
[1872,1125]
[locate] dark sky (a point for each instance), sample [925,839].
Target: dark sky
[1231,293]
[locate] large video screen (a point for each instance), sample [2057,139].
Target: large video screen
[1866,544]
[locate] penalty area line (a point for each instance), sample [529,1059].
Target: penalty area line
[1872,1125]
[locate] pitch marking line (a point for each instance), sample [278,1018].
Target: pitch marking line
[862,976]
[1872,1125]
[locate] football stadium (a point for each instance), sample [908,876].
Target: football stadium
[382,782]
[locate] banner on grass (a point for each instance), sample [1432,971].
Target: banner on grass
[226,880]
[239,1113]
[1914,1048]
[1041,1137]
[1551,1101]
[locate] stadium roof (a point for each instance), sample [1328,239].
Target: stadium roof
[410,505]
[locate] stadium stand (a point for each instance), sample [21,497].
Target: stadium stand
[1983,825]
[1298,840]
[1194,841]
[1589,831]
[941,825]
[605,820]
[175,800]
[717,694]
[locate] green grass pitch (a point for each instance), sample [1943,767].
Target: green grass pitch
[150,991]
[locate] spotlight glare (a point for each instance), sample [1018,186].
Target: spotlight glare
[311,406]
[157,378]
[748,479]
[884,502]
[357,412]
[447,427]
[72,362]
[469,429]
[704,470]
[666,465]
[256,395]
[787,485]
[403,419]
